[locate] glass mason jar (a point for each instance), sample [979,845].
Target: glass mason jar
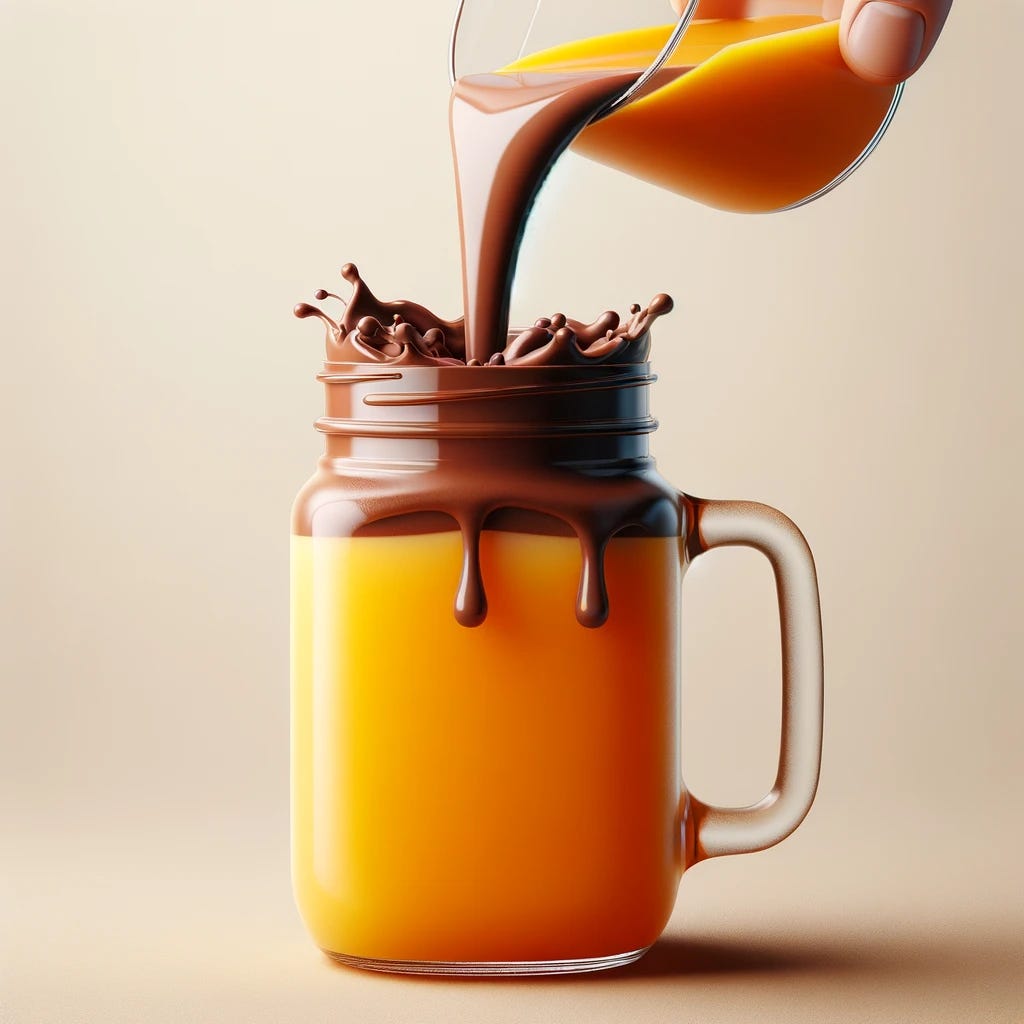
[486,574]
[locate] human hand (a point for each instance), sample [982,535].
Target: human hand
[883,41]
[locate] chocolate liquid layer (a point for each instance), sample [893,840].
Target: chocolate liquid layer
[562,451]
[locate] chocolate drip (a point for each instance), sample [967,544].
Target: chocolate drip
[405,333]
[592,600]
[631,504]
[471,599]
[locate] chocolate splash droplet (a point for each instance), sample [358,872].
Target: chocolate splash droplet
[660,305]
[604,326]
[369,327]
[303,310]
[529,341]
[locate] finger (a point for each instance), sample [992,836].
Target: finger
[886,41]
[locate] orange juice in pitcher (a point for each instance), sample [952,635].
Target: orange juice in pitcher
[766,115]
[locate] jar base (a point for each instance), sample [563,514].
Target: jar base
[469,968]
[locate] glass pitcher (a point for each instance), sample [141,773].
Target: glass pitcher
[486,572]
[754,111]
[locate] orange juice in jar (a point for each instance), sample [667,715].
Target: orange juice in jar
[486,575]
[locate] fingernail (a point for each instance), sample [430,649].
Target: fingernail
[885,41]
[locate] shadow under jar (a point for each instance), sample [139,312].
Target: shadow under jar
[486,573]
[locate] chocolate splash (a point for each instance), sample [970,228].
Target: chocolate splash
[403,333]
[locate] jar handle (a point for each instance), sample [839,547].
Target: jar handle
[716,831]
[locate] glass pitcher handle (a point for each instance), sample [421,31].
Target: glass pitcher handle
[716,831]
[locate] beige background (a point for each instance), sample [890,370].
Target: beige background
[174,177]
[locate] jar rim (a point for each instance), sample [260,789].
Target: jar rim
[418,401]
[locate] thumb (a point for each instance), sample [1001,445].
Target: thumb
[886,41]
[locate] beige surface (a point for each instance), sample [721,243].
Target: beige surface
[169,926]
[174,178]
